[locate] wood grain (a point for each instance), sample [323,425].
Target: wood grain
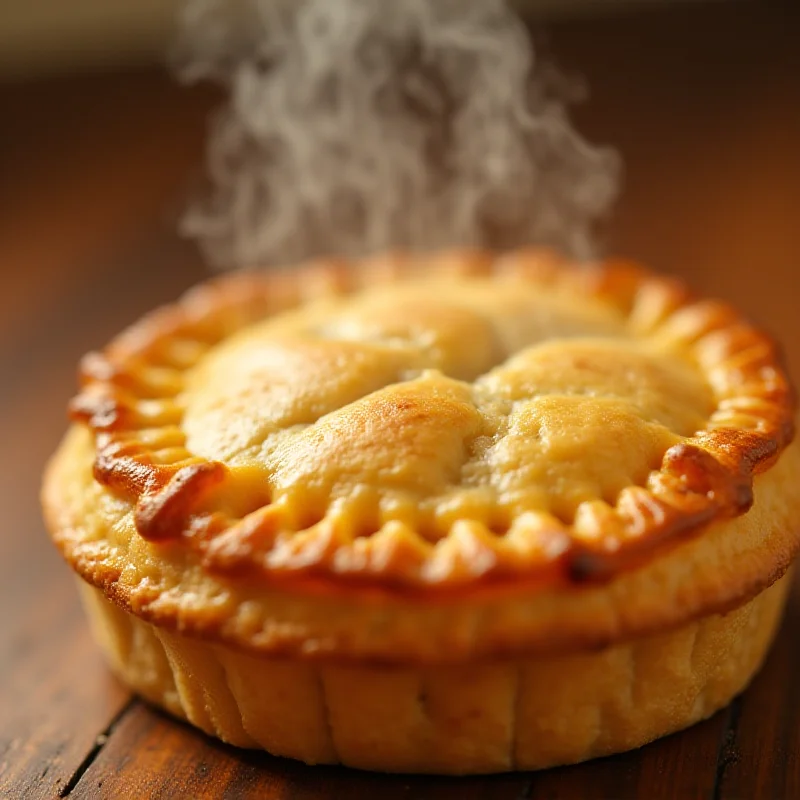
[90,231]
[704,103]
[152,757]
[760,755]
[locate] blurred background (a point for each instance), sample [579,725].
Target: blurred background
[46,36]
[100,150]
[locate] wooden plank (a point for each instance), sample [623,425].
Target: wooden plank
[153,756]
[682,765]
[55,692]
[149,755]
[762,756]
[64,293]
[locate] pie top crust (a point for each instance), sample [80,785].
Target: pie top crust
[428,427]
[437,422]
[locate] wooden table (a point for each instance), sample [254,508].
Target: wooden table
[704,103]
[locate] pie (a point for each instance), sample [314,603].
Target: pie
[448,513]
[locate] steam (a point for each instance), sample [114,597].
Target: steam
[358,125]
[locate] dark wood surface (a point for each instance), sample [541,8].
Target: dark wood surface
[703,102]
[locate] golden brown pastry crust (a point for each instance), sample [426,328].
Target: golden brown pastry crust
[527,713]
[193,543]
[131,401]
[730,563]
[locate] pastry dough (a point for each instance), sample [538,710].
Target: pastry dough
[451,513]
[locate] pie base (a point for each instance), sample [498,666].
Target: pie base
[527,713]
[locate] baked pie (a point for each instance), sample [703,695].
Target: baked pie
[449,514]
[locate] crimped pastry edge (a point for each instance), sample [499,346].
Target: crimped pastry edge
[706,479]
[727,566]
[528,713]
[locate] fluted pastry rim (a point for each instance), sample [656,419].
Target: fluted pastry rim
[126,525]
[705,478]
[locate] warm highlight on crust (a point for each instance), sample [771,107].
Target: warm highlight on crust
[131,401]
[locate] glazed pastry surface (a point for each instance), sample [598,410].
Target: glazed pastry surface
[461,513]
[517,453]
[475,419]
